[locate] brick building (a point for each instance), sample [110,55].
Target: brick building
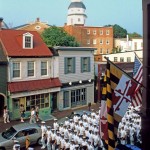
[36,25]
[88,36]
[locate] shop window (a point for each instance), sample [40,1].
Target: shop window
[78,97]
[41,100]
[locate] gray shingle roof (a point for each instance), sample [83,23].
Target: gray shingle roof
[77,5]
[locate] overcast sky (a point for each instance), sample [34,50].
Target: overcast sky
[126,13]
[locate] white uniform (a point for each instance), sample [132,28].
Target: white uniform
[48,139]
[81,130]
[62,143]
[43,139]
[123,136]
[84,116]
[55,125]
[72,147]
[90,146]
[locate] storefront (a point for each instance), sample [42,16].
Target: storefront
[46,99]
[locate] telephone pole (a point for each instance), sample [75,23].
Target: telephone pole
[146,76]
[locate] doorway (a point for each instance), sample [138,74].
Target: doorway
[54,101]
[2,99]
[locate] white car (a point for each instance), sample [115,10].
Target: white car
[19,132]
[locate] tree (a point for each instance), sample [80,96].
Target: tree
[119,32]
[134,35]
[56,36]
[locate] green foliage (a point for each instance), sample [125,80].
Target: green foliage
[55,36]
[116,50]
[134,35]
[119,32]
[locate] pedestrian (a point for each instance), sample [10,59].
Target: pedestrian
[44,135]
[33,116]
[27,141]
[6,115]
[37,112]
[22,113]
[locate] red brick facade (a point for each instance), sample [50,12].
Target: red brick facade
[88,36]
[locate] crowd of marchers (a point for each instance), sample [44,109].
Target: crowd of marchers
[129,129]
[76,133]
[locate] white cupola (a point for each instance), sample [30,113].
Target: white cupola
[76,13]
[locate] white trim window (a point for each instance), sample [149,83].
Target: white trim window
[107,42]
[94,41]
[44,68]
[101,41]
[115,59]
[128,59]
[30,68]
[27,41]
[107,32]
[101,32]
[16,69]
[121,59]
[101,50]
[88,31]
[88,41]
[94,32]
[107,51]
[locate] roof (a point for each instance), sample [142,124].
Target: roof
[33,85]
[75,48]
[77,5]
[23,126]
[12,43]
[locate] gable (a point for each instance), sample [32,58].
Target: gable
[12,41]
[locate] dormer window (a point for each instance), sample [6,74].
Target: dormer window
[27,41]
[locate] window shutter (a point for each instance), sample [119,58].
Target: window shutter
[82,64]
[73,65]
[65,66]
[89,64]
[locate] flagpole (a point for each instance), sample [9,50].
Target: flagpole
[124,72]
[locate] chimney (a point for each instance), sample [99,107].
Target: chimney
[1,22]
[38,19]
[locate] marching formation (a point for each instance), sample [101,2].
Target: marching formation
[129,129]
[76,133]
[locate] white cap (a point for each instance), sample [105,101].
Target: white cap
[15,141]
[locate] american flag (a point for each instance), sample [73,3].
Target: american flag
[138,76]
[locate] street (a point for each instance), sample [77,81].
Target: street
[58,115]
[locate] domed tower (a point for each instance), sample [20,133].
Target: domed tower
[76,13]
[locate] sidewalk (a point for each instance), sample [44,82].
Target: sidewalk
[58,115]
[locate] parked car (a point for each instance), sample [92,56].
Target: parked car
[18,132]
[79,113]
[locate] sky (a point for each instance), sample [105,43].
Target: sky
[126,13]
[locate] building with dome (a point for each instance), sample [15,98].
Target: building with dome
[88,36]
[76,13]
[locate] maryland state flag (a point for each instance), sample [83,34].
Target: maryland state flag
[117,95]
